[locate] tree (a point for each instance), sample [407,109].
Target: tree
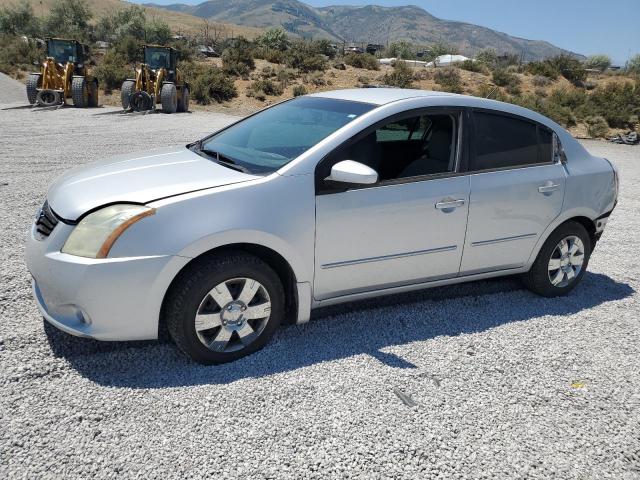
[598,62]
[157,32]
[69,18]
[488,56]
[125,22]
[275,38]
[19,20]
[401,49]
[633,65]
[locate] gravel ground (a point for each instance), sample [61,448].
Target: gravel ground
[11,90]
[483,380]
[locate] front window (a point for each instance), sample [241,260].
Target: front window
[270,139]
[62,51]
[157,58]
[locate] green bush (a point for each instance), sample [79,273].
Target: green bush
[543,69]
[212,84]
[616,102]
[316,78]
[488,57]
[633,65]
[362,60]
[598,62]
[597,127]
[540,81]
[449,79]
[112,71]
[266,87]
[305,57]
[402,49]
[274,39]
[269,54]
[569,67]
[299,90]
[16,53]
[69,19]
[402,76]
[238,58]
[129,47]
[19,20]
[473,66]
[503,78]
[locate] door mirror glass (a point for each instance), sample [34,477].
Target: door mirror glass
[348,171]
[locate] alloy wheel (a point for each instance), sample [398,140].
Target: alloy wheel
[232,315]
[566,261]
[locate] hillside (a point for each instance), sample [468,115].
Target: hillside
[178,21]
[364,24]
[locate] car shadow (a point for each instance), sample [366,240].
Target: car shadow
[337,332]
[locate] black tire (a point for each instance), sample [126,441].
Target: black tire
[169,98]
[48,98]
[193,284]
[538,278]
[80,92]
[93,94]
[127,89]
[34,81]
[183,100]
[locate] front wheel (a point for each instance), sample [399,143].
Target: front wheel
[562,261]
[223,307]
[169,98]
[80,92]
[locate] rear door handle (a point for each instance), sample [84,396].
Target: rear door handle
[447,204]
[548,188]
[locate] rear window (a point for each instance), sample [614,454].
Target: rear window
[502,142]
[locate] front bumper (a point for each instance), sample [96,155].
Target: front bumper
[105,299]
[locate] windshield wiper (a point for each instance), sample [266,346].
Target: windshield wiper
[223,160]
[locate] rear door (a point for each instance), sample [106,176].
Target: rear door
[517,189]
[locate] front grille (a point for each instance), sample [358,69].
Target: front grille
[46,220]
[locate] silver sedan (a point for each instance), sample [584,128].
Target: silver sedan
[318,200]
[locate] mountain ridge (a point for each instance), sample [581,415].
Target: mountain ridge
[368,23]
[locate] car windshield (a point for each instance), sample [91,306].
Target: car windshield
[62,51]
[157,57]
[267,141]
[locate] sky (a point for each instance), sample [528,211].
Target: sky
[584,26]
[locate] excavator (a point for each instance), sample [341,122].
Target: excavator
[63,75]
[157,81]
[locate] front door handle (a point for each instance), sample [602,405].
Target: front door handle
[446,204]
[548,188]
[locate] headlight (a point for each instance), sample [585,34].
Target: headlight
[96,233]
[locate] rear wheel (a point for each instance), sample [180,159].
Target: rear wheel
[169,98]
[183,101]
[80,92]
[562,261]
[93,94]
[224,307]
[34,81]
[127,89]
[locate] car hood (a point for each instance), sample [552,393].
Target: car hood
[137,178]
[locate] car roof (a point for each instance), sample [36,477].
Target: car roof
[379,96]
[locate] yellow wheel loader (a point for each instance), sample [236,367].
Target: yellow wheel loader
[157,80]
[64,74]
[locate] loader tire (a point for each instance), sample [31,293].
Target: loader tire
[49,98]
[127,89]
[93,94]
[80,92]
[33,83]
[183,101]
[169,98]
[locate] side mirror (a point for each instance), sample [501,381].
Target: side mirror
[349,171]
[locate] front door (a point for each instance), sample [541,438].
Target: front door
[410,226]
